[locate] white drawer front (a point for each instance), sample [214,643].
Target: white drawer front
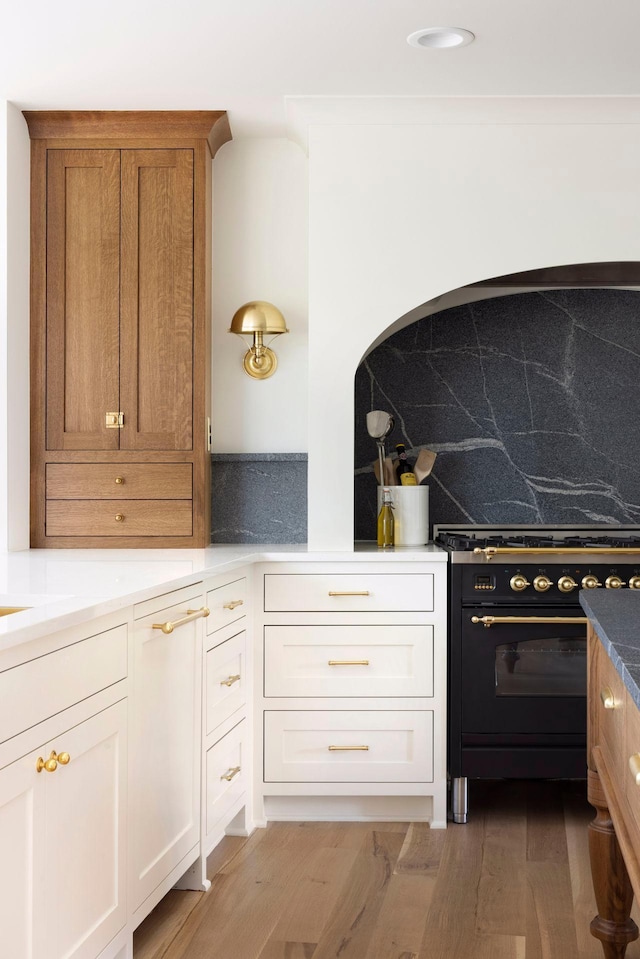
[348,592]
[43,687]
[225,680]
[226,774]
[348,660]
[399,746]
[227,604]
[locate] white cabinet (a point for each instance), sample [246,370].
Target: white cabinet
[352,658]
[165,750]
[62,825]
[226,771]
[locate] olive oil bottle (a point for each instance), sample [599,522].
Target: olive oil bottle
[385,521]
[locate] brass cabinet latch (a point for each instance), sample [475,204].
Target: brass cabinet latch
[114,421]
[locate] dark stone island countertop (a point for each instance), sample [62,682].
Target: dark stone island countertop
[615,614]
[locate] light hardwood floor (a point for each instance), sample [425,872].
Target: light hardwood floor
[513,883]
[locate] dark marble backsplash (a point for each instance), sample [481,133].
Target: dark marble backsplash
[531,401]
[259,497]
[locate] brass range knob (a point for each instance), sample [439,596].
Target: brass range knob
[634,582]
[614,582]
[542,584]
[590,582]
[518,583]
[566,584]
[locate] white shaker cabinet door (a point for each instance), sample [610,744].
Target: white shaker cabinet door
[166,744]
[22,841]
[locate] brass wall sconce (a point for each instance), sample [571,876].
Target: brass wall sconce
[257,319]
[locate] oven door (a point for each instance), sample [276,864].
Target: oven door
[523,674]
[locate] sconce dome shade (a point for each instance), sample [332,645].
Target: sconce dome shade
[258,316]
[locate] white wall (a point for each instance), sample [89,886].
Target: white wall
[14,329]
[401,214]
[260,253]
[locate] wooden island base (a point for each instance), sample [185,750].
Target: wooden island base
[612,886]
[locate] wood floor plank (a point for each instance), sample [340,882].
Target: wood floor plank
[401,921]
[551,932]
[314,898]
[155,935]
[421,851]
[502,883]
[350,926]
[546,837]
[276,949]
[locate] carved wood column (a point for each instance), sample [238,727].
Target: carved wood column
[614,895]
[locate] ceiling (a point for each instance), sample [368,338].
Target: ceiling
[249,56]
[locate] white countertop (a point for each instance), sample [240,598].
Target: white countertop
[66,587]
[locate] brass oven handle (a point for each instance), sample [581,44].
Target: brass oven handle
[496,620]
[490,551]
[233,603]
[634,766]
[362,592]
[191,615]
[607,698]
[348,662]
[344,749]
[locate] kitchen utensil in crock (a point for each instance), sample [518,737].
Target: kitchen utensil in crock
[379,425]
[424,464]
[389,477]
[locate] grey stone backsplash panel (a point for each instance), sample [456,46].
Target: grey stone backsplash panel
[259,498]
[531,401]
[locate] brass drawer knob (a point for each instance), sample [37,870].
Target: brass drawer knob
[64,759]
[607,698]
[119,517]
[119,480]
[634,766]
[51,764]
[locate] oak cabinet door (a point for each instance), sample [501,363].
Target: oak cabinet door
[83,298]
[156,346]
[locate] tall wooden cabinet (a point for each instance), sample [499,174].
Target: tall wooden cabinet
[120,302]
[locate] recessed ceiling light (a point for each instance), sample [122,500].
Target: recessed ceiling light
[441,37]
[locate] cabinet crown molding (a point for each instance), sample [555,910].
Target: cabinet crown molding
[210,125]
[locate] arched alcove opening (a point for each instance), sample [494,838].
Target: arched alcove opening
[526,387]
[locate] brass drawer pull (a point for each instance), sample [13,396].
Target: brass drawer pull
[230,773]
[607,698]
[345,749]
[361,592]
[348,662]
[230,680]
[119,480]
[496,620]
[634,766]
[189,618]
[119,517]
[233,603]
[51,764]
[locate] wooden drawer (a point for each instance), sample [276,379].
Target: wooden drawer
[399,746]
[43,687]
[225,680]
[119,481]
[226,604]
[139,518]
[632,748]
[348,592]
[226,772]
[348,660]
[611,708]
